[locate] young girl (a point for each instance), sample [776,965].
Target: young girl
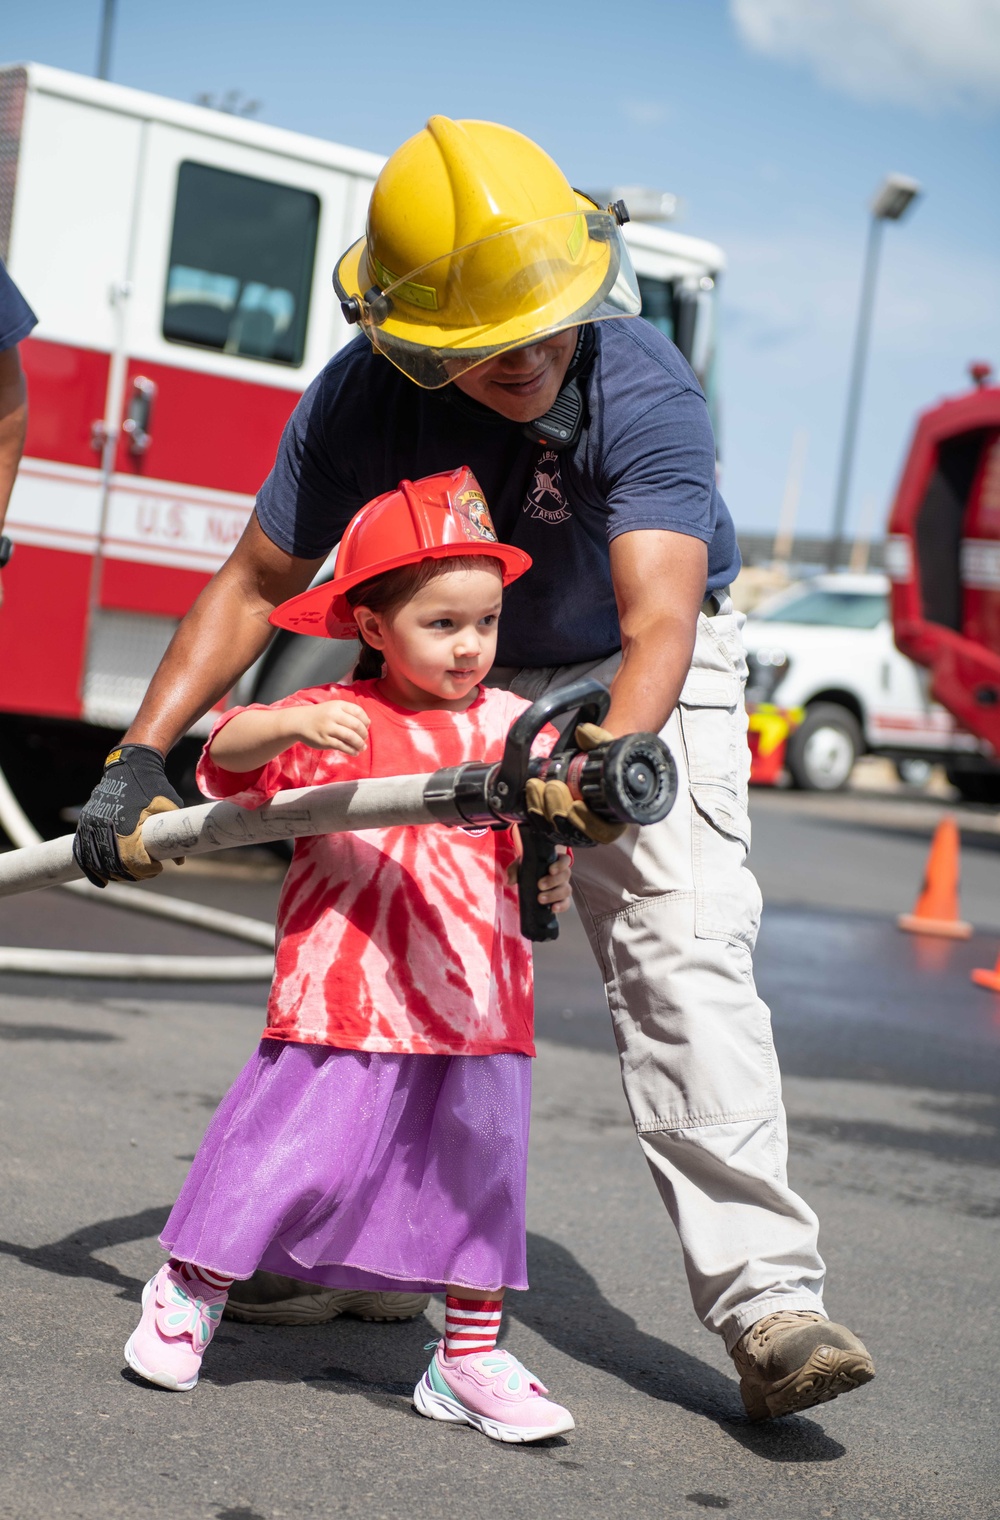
[378,1137]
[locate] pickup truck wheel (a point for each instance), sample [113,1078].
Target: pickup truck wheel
[822,750]
[913,771]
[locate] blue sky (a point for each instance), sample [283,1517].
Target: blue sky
[774,120]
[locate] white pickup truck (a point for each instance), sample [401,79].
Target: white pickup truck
[826,645]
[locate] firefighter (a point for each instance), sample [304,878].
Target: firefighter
[16,321]
[490,297]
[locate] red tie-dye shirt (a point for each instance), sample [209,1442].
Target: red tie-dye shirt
[404,940]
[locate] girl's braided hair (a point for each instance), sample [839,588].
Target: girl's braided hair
[386,593]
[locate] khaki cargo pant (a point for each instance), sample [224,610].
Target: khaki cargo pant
[672,913]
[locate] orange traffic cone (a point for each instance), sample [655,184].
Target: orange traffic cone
[990,979]
[936,910]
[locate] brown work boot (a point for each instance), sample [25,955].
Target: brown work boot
[267,1298]
[794,1359]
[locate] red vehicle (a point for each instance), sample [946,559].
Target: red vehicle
[943,558]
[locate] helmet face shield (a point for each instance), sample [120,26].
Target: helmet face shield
[505,291]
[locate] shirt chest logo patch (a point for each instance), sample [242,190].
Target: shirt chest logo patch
[545,499]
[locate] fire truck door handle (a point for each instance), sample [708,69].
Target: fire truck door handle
[139,415]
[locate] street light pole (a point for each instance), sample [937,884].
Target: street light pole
[892,198]
[107,34]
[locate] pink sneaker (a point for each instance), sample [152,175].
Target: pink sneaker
[167,1345]
[493,1393]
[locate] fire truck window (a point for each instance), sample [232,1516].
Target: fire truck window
[684,313]
[657,304]
[241,265]
[939,527]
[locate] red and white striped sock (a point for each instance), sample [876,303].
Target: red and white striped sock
[471,1324]
[202,1277]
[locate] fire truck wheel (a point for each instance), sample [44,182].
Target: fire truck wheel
[975,786]
[822,750]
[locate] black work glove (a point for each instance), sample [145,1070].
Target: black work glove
[108,844]
[560,815]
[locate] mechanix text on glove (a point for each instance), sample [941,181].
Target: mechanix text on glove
[108,844]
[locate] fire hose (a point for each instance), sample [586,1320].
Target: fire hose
[629,780]
[19,829]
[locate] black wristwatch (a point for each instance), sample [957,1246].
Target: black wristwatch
[6,550]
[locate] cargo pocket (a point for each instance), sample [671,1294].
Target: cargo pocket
[713,725]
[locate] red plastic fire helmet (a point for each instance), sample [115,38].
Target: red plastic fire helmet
[433,518]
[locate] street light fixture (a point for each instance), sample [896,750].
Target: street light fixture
[892,199]
[107,36]
[893,196]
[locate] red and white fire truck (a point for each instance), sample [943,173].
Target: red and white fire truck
[179,261]
[943,557]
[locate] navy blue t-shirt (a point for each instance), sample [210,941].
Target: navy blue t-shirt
[645,459]
[16,316]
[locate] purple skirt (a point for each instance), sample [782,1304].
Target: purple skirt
[359,1170]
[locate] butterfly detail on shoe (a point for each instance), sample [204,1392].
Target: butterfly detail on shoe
[180,1313]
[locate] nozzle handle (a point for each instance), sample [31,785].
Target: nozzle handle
[538,922]
[586,698]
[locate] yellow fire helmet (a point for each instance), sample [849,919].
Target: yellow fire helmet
[475,244]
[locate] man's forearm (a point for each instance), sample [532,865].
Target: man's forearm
[220,638]
[659,579]
[11,444]
[13,427]
[198,668]
[655,663]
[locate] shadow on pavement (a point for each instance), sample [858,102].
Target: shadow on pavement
[568,1309]
[975,835]
[73,1256]
[91,990]
[57,1032]
[978,1149]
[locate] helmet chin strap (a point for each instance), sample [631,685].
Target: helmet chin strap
[560,427]
[562,424]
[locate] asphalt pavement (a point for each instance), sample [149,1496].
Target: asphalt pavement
[891,1060]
